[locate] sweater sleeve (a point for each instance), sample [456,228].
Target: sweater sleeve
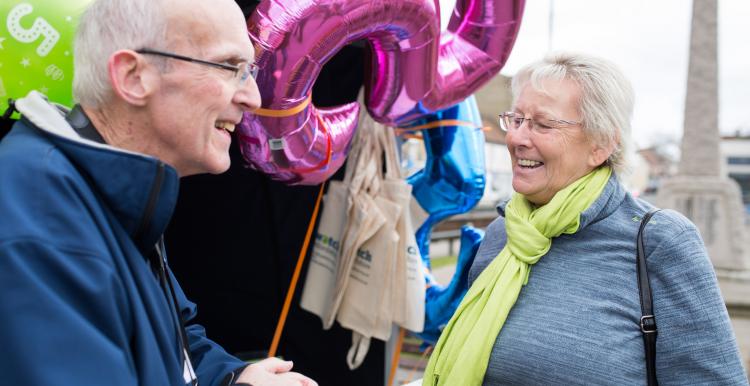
[695,342]
[212,364]
[61,318]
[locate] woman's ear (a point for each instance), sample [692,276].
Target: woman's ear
[133,79]
[600,154]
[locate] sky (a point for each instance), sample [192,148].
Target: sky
[650,41]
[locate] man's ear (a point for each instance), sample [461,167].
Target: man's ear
[133,80]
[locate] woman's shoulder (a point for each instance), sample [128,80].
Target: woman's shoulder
[670,221]
[667,227]
[671,240]
[664,225]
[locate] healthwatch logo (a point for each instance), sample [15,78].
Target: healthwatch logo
[325,240]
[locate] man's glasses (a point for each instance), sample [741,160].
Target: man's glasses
[510,121]
[241,72]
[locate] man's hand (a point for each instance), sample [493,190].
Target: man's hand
[273,372]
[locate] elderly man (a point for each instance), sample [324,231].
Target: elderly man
[86,297]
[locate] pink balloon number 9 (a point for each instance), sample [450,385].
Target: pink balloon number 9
[415,71]
[471,51]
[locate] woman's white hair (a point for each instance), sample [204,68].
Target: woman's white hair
[607,98]
[105,27]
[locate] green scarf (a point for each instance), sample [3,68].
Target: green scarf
[463,350]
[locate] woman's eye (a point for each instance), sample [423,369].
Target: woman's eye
[543,127]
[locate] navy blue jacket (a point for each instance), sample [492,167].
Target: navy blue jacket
[79,303]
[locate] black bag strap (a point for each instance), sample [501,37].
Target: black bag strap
[648,321]
[80,122]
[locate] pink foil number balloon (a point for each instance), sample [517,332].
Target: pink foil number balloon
[472,51]
[475,47]
[414,71]
[289,138]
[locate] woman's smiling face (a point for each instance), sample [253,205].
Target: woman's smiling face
[546,159]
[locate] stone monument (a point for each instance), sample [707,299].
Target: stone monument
[699,191]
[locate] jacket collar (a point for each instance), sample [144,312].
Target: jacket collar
[140,190]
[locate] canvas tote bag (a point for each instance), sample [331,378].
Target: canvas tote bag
[408,291]
[381,284]
[366,306]
[364,219]
[317,294]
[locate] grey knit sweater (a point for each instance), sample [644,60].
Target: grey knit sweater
[576,321]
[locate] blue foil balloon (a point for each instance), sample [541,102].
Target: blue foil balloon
[441,302]
[452,182]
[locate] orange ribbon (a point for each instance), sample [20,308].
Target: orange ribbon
[285,112]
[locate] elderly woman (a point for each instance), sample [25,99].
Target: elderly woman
[554,298]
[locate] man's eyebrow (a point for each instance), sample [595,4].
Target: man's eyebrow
[232,56]
[237,56]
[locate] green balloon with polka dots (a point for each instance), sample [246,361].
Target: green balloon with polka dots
[36,48]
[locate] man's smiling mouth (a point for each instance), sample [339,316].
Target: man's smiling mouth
[225,125]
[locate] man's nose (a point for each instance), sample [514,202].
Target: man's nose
[248,95]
